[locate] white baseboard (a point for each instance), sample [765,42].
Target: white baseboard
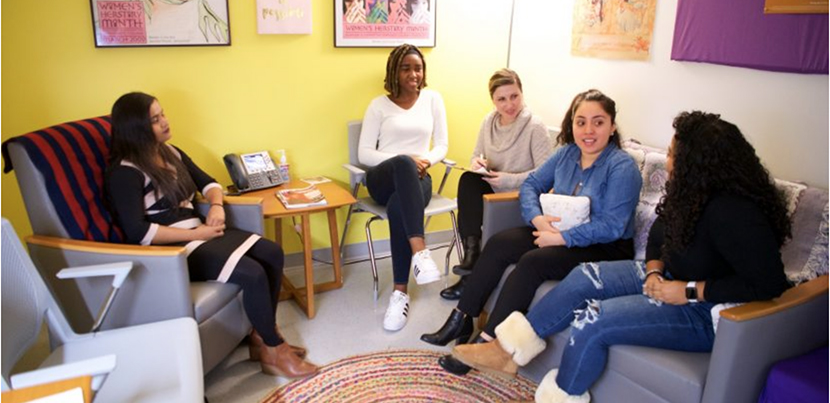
[360,251]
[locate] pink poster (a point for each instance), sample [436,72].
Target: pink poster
[283,16]
[121,22]
[382,23]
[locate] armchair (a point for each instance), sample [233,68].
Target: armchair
[439,204]
[60,171]
[156,362]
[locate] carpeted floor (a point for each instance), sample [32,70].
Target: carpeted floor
[399,376]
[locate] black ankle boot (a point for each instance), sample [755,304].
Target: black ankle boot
[455,367]
[459,326]
[454,291]
[472,249]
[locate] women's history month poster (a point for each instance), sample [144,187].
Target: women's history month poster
[160,22]
[613,29]
[384,23]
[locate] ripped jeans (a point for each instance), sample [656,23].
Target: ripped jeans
[604,305]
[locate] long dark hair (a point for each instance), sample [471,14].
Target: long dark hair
[566,136]
[710,155]
[133,140]
[393,65]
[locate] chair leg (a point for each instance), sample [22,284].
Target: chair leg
[372,256]
[456,235]
[345,231]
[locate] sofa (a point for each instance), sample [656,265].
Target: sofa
[749,338]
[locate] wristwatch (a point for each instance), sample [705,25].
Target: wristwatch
[691,292]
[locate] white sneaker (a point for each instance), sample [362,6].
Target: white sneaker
[396,313]
[424,268]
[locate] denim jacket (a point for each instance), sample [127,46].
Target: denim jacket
[612,183]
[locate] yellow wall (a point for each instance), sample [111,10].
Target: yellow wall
[293,92]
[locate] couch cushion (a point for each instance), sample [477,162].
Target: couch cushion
[210,297]
[805,255]
[654,181]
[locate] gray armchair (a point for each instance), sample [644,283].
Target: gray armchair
[154,362]
[749,339]
[158,287]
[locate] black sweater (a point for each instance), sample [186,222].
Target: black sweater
[733,249]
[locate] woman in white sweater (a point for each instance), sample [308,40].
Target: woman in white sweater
[395,144]
[512,142]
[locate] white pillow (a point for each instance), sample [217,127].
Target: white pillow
[572,210]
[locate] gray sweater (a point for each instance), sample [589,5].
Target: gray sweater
[515,149]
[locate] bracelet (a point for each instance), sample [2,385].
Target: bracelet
[216,204]
[653,271]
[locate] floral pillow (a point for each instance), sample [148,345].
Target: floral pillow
[654,181]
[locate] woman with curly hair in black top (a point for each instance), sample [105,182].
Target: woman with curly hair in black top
[716,240]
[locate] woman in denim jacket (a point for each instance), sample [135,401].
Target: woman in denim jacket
[590,163]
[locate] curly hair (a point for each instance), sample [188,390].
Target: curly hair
[393,65]
[711,156]
[566,136]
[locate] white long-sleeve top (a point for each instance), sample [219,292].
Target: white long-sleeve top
[389,130]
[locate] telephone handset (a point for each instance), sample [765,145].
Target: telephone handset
[253,171]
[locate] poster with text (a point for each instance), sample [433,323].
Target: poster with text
[384,23]
[283,16]
[613,29]
[118,23]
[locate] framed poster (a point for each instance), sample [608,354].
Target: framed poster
[384,23]
[130,23]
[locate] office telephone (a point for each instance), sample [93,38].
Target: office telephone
[253,171]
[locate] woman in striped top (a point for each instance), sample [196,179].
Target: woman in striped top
[151,186]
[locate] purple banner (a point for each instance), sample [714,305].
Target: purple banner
[738,33]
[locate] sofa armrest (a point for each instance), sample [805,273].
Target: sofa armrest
[752,337]
[241,212]
[501,211]
[790,298]
[158,288]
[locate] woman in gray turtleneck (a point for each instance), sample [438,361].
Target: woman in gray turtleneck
[512,142]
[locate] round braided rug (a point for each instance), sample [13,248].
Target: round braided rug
[410,376]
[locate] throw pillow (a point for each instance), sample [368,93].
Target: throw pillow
[571,210]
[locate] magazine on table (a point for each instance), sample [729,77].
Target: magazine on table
[308,196]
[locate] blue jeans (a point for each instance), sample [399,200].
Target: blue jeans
[604,305]
[394,183]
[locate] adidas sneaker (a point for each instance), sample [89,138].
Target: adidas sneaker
[396,313]
[424,268]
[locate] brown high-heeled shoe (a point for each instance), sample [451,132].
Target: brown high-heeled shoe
[255,344]
[281,361]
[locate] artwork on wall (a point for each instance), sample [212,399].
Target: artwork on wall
[705,31]
[283,16]
[384,23]
[129,23]
[613,29]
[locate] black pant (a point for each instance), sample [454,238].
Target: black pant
[259,273]
[534,266]
[394,183]
[471,189]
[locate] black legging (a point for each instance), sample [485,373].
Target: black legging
[471,189]
[534,266]
[259,273]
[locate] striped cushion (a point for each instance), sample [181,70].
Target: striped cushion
[72,157]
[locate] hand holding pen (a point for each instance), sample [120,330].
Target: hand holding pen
[478,163]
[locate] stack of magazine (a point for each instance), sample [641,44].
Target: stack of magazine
[308,196]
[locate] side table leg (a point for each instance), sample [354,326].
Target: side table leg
[308,265]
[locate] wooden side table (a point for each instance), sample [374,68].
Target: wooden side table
[336,197]
[48,389]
